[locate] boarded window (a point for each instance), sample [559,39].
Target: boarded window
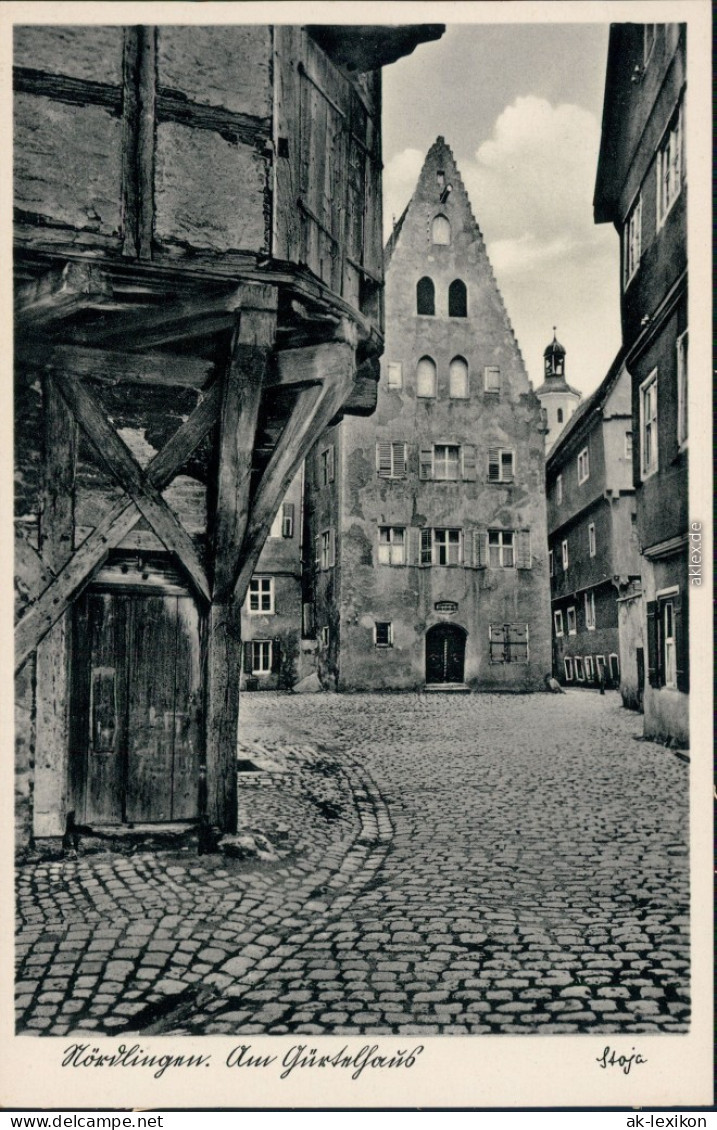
[441,230]
[425,296]
[457,299]
[508,643]
[458,379]
[426,377]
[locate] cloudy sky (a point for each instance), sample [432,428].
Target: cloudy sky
[520,105]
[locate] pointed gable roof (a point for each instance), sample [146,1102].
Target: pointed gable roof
[428,198]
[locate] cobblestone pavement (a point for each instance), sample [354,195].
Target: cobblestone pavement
[441,864]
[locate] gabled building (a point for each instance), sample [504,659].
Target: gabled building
[428,519]
[182,339]
[641,189]
[593,554]
[558,399]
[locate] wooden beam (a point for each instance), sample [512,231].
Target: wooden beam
[51,672]
[304,366]
[222,663]
[139,330]
[113,528]
[242,389]
[146,127]
[119,461]
[313,410]
[113,367]
[58,294]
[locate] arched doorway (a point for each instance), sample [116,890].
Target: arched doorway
[445,653]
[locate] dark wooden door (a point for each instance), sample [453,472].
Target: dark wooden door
[445,654]
[137,733]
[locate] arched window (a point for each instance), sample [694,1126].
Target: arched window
[425,296]
[426,377]
[457,299]
[458,379]
[441,230]
[560,415]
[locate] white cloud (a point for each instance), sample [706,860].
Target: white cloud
[399,180]
[531,187]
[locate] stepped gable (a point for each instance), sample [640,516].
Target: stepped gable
[440,156]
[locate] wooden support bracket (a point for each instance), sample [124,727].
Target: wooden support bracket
[313,410]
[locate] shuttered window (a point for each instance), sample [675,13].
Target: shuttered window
[501,465]
[667,642]
[426,378]
[391,459]
[287,520]
[326,549]
[508,643]
[447,462]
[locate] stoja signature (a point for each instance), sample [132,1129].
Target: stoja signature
[610,1058]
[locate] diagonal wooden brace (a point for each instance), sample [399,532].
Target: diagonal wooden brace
[116,524]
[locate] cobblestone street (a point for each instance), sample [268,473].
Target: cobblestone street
[433,864]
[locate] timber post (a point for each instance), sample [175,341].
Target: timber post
[242,385]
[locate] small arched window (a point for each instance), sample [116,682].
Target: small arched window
[457,299]
[560,415]
[425,296]
[458,379]
[441,230]
[426,377]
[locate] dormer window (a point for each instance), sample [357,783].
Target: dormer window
[441,230]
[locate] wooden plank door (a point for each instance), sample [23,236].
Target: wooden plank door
[97,763]
[188,722]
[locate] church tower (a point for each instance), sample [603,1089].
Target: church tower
[557,397]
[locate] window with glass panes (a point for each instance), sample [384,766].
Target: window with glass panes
[261,594]
[501,549]
[446,459]
[391,545]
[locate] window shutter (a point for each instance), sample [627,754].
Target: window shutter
[426,546]
[469,461]
[248,656]
[480,549]
[425,463]
[275,656]
[682,648]
[332,548]
[317,551]
[493,464]
[653,658]
[383,458]
[524,558]
[399,459]
[330,464]
[414,546]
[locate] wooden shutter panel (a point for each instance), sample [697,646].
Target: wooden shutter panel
[332,548]
[317,551]
[426,546]
[383,458]
[330,464]
[653,645]
[524,558]
[414,546]
[248,656]
[399,459]
[493,464]
[682,643]
[275,656]
[425,463]
[469,461]
[480,549]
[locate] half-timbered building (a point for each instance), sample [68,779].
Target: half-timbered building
[199,280]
